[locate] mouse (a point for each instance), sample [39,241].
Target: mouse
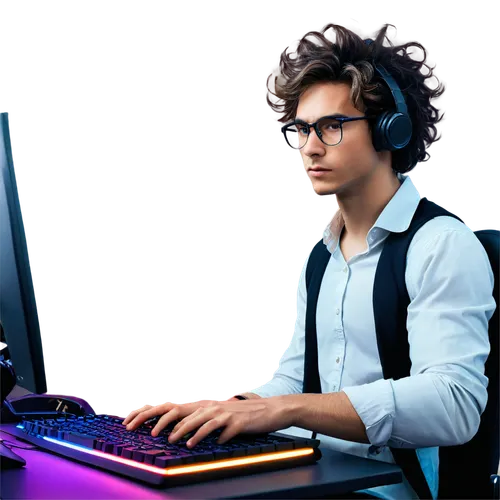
[9,459]
[45,405]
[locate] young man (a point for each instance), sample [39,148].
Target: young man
[448,277]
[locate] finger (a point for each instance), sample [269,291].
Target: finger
[136,411]
[203,432]
[147,414]
[196,424]
[172,415]
[182,414]
[132,413]
[189,423]
[187,419]
[229,433]
[185,414]
[178,425]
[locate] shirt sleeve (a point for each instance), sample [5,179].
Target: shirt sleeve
[450,284]
[289,377]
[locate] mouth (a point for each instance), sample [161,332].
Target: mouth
[318,171]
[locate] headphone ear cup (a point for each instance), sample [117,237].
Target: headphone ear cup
[377,132]
[392,131]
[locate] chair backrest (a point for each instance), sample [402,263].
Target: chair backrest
[478,459]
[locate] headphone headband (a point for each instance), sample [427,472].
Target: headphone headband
[396,92]
[393,129]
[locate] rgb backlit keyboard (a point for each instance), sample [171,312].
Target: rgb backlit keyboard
[102,441]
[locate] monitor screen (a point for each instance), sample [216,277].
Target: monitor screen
[19,308]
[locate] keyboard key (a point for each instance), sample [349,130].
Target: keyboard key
[150,455]
[159,446]
[54,433]
[117,449]
[109,446]
[221,453]
[128,452]
[267,448]
[43,430]
[99,444]
[283,446]
[187,459]
[80,439]
[304,443]
[203,456]
[139,455]
[253,450]
[164,461]
[238,452]
[28,426]
[150,442]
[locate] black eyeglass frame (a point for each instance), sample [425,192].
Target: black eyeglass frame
[341,119]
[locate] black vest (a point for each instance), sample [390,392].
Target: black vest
[390,303]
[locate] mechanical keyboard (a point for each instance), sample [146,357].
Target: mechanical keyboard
[104,442]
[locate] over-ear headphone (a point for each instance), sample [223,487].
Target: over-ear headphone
[393,129]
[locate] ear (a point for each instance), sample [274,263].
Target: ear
[385,157]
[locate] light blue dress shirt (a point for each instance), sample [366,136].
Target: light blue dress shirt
[450,284]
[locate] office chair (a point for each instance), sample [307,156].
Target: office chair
[471,470]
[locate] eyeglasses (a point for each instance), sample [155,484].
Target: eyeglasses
[328,129]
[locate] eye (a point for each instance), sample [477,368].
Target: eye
[334,126]
[329,125]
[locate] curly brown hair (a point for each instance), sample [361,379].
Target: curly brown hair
[349,60]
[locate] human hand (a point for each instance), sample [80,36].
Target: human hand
[249,416]
[138,416]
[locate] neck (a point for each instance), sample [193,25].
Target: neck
[361,208]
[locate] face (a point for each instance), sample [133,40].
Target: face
[353,162]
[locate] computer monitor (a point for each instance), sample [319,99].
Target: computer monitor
[18,313]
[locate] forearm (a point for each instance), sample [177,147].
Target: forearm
[421,411]
[331,414]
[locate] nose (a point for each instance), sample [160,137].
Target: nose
[313,143]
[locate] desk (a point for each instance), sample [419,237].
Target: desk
[49,476]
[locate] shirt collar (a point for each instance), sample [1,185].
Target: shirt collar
[395,217]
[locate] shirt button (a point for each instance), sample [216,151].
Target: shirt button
[338,360]
[345,269]
[337,311]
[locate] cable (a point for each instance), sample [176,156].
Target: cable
[14,445]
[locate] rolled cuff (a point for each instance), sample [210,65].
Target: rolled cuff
[374,403]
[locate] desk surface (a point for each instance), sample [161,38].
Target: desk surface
[47,475]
